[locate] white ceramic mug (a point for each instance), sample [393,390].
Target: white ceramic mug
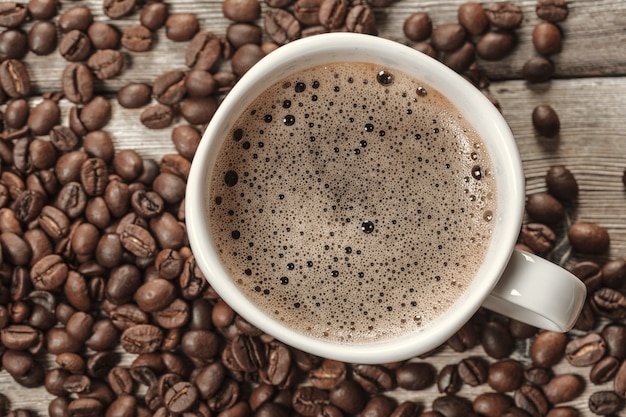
[511,282]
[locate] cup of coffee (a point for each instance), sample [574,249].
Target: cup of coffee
[358,200]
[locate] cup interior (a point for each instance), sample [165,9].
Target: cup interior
[476,108]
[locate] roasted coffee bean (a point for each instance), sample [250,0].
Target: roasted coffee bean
[561,183]
[614,273]
[155,295]
[282,27]
[604,402]
[75,18]
[538,69]
[539,237]
[16,113]
[181,397]
[200,346]
[378,406]
[174,315]
[239,34]
[77,83]
[505,375]
[505,15]
[199,83]
[136,38]
[496,44]
[104,36]
[147,204]
[604,370]
[552,10]
[544,208]
[448,381]
[42,9]
[42,38]
[104,336]
[491,404]
[361,19]
[79,326]
[13,44]
[77,384]
[614,335]
[198,110]
[348,396]
[106,63]
[546,38]
[448,37]
[28,205]
[328,375]
[332,13]
[619,383]
[460,59]
[452,406]
[609,303]
[49,273]
[84,407]
[473,18]
[563,388]
[120,381]
[418,26]
[306,11]
[465,338]
[153,15]
[415,375]
[138,241]
[532,400]
[141,338]
[589,273]
[309,401]
[54,379]
[157,116]
[538,375]
[14,78]
[590,238]
[96,114]
[75,46]
[546,120]
[496,340]
[64,139]
[473,371]
[127,315]
[12,14]
[204,51]
[548,348]
[521,330]
[118,8]
[94,176]
[181,27]
[373,378]
[134,95]
[20,337]
[245,57]
[241,10]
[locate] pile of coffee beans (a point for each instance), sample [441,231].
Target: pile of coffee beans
[95,264]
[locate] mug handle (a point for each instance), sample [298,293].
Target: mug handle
[537,292]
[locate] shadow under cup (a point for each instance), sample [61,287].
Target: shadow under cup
[481,114]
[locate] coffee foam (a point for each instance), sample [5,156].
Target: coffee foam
[352,203]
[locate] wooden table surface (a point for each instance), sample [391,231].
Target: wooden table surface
[588,92]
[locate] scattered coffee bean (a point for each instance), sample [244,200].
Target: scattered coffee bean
[245,57]
[418,26]
[552,10]
[505,15]
[544,208]
[137,38]
[546,38]
[448,36]
[281,26]
[157,116]
[561,183]
[491,404]
[104,35]
[153,15]
[588,237]
[505,375]
[546,120]
[134,95]
[241,10]
[181,27]
[563,388]
[604,402]
[415,376]
[495,45]
[539,237]
[473,18]
[14,78]
[106,63]
[538,69]
[548,348]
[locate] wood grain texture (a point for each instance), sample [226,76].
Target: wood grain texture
[589,96]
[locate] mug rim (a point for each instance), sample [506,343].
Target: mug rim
[339,47]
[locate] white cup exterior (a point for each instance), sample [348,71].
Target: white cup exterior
[471,103]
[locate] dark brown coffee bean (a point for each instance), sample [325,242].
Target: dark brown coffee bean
[141,338]
[42,9]
[546,38]
[118,8]
[473,371]
[348,396]
[103,35]
[42,38]
[134,95]
[204,51]
[200,346]
[552,10]
[155,295]
[309,401]
[157,116]
[75,46]
[604,402]
[561,183]
[614,273]
[452,406]
[181,397]
[138,241]
[538,69]
[548,348]
[496,340]
[448,381]
[505,15]
[460,59]
[491,404]
[604,370]
[415,375]
[520,330]
[361,19]
[538,375]
[153,15]
[590,238]
[96,114]
[169,87]
[14,78]
[473,18]
[75,18]
[136,38]
[209,379]
[106,63]
[13,44]
[94,176]
[378,406]
[16,113]
[505,375]
[539,237]
[306,11]
[64,139]
[544,208]
[120,381]
[147,204]
[614,335]
[495,45]
[563,388]
[181,27]
[49,273]
[530,399]
[373,378]
[418,26]
[20,337]
[609,303]
[12,14]
[84,407]
[589,273]
[239,34]
[281,26]
[15,249]
[117,197]
[77,83]
[199,83]
[619,383]
[465,338]
[168,186]
[448,37]
[328,375]
[241,10]
[245,57]
[28,205]
[332,13]
[546,120]
[128,164]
